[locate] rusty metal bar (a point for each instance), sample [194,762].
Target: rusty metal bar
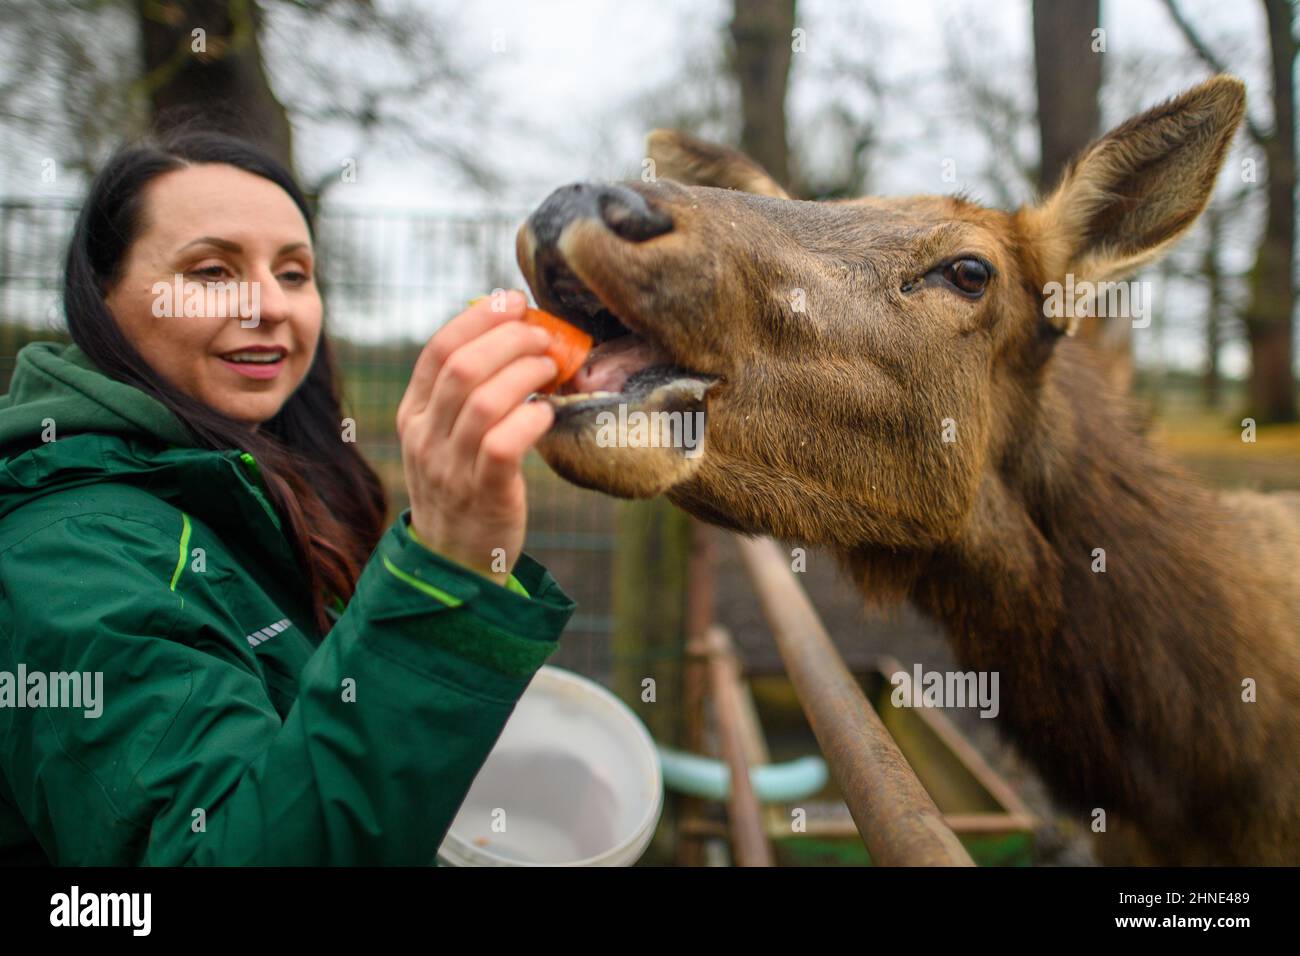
[749,844]
[898,821]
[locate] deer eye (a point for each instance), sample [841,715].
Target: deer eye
[968,276]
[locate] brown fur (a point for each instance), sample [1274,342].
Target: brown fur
[1123,687]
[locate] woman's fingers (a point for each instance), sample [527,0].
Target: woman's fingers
[495,399]
[474,363]
[469,325]
[465,429]
[501,453]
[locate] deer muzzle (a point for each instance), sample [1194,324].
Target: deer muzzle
[631,422]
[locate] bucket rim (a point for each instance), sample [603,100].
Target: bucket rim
[463,852]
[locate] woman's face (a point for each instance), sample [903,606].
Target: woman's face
[218,293]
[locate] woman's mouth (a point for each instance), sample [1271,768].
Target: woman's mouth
[259,362]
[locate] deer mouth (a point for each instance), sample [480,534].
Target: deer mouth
[632,421]
[625,365]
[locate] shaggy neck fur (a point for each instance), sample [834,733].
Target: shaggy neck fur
[1123,687]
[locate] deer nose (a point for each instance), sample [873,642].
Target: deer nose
[623,211]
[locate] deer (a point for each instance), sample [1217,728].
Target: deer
[881,378]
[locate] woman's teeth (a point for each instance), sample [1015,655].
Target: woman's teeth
[257,358]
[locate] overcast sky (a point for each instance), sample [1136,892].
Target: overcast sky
[571,67]
[561,89]
[561,79]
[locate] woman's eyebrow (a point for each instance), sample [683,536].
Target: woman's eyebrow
[229,246]
[225,244]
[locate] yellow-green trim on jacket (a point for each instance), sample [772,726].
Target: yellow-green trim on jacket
[512,582]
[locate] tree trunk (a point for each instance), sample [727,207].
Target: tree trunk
[216,77]
[1272,288]
[649,639]
[1214,308]
[1068,75]
[762,31]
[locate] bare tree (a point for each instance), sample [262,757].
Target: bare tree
[998,107]
[399,75]
[1067,69]
[79,76]
[63,67]
[1268,318]
[836,145]
[204,58]
[1214,308]
[829,150]
[761,33]
[1068,77]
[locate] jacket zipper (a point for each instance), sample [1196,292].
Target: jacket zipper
[259,488]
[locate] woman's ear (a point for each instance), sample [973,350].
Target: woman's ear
[697,162]
[1130,194]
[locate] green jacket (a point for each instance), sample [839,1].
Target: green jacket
[229,731]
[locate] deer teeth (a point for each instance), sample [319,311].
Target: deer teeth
[579,397]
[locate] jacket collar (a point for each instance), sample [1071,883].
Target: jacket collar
[104,430]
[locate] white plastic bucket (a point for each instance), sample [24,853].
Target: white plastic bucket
[574,780]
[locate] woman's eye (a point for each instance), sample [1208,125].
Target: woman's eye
[209,272]
[294,277]
[969,276]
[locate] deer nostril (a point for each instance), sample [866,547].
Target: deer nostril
[629,216]
[623,211]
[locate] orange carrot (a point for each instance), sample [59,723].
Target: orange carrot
[569,345]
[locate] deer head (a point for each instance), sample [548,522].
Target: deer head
[866,366]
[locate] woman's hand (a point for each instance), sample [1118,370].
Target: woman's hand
[464,428]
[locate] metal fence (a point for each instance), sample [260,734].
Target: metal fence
[390,278]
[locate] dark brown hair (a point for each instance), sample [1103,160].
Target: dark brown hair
[331,501]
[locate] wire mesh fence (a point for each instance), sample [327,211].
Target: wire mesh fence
[390,278]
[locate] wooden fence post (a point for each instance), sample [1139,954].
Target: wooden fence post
[648,643]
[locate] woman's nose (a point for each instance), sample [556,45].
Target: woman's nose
[269,301]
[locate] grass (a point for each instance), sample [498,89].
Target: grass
[1210,442]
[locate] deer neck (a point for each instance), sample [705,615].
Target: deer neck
[1084,528]
[1114,677]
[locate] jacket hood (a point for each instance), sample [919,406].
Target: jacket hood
[105,430]
[59,384]
[66,424]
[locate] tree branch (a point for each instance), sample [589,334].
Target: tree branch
[1194,40]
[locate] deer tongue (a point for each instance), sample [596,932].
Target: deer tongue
[611,363]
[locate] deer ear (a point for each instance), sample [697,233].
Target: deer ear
[1130,194]
[696,162]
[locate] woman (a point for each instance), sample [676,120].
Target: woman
[283,680]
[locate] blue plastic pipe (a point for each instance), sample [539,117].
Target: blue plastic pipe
[776,782]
